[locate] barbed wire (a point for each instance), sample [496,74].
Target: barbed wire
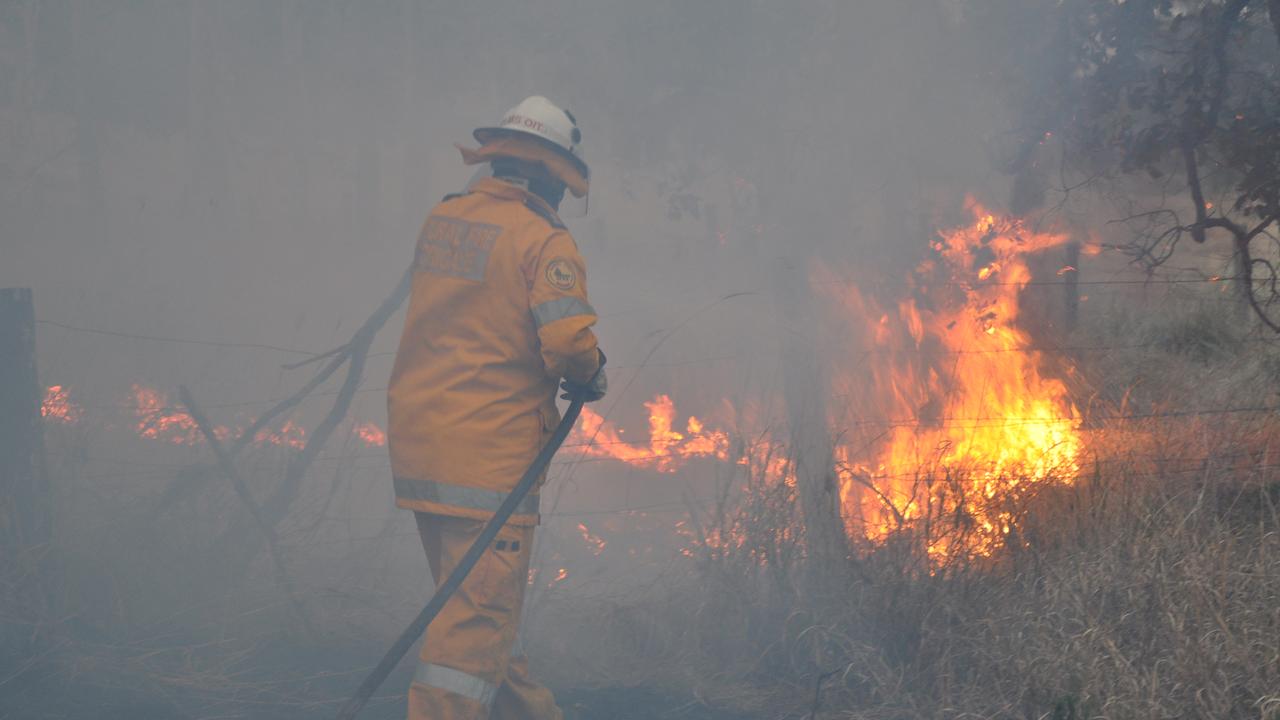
[1195,465]
[952,423]
[1055,349]
[179,340]
[947,423]
[1202,463]
[681,506]
[884,282]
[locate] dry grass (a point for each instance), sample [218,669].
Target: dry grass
[140,607]
[1149,587]
[1127,595]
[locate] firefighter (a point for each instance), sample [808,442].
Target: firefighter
[498,316]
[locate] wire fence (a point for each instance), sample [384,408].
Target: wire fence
[954,422]
[584,452]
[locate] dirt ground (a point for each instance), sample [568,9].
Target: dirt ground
[636,704]
[47,694]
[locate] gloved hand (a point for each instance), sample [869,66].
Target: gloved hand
[590,391]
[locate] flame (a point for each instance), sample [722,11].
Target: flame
[593,541]
[370,434]
[289,435]
[57,406]
[968,420]
[668,449]
[948,412]
[157,420]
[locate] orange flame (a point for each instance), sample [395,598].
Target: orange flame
[947,412]
[154,418]
[667,450]
[57,406]
[289,435]
[960,393]
[370,434]
[157,420]
[593,541]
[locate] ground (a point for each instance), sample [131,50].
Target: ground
[46,694]
[636,704]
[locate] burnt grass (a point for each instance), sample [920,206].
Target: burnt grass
[316,683]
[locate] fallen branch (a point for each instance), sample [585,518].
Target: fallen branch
[290,402]
[359,344]
[355,353]
[242,491]
[315,358]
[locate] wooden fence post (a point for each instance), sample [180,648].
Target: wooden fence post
[25,508]
[804,385]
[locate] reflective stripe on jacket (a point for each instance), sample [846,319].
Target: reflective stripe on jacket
[498,314]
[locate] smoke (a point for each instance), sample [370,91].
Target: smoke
[256,172]
[252,175]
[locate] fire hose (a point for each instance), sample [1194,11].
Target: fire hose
[464,567]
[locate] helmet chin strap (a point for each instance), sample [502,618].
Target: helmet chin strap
[532,177]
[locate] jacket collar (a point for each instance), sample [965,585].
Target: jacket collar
[508,191]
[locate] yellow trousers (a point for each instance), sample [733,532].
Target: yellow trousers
[471,666]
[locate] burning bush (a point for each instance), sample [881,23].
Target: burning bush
[949,411]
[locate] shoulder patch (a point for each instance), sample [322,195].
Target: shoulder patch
[561,275]
[545,214]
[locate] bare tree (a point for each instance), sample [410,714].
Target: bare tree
[1179,100]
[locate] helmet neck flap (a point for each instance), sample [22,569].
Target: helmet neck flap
[534,176]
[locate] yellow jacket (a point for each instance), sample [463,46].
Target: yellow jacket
[498,314]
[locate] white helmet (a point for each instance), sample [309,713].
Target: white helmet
[541,118]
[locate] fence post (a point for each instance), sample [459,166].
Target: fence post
[25,512]
[827,549]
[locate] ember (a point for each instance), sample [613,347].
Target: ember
[370,434]
[57,406]
[289,435]
[157,420]
[593,541]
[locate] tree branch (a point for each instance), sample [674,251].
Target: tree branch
[1230,14]
[1246,269]
[357,350]
[290,402]
[1197,193]
[242,491]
